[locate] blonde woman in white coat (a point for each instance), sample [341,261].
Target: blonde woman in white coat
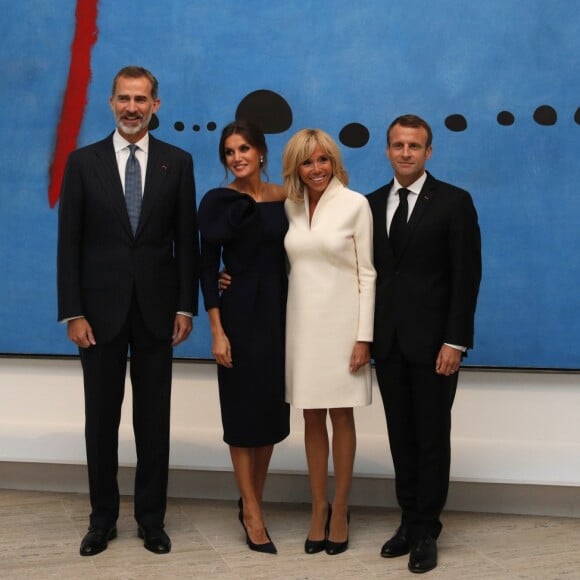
[329,321]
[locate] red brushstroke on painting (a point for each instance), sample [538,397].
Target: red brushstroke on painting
[75,97]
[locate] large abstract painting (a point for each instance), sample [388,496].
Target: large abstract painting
[499,82]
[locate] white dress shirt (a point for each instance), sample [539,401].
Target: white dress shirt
[122,153]
[393,199]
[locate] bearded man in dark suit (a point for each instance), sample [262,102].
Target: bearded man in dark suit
[427,255]
[127,281]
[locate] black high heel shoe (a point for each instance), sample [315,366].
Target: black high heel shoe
[267,548]
[316,546]
[334,548]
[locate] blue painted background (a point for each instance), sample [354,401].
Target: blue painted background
[335,62]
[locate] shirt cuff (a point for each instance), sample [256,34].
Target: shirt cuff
[65,320]
[461,348]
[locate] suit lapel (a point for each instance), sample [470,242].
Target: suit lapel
[380,220]
[157,168]
[108,171]
[421,207]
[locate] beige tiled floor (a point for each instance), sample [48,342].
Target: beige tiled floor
[40,534]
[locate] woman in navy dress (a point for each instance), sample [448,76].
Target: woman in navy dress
[243,225]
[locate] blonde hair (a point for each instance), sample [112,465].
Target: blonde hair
[298,149]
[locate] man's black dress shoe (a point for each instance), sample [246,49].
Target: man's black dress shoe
[155,539]
[398,545]
[423,555]
[96,539]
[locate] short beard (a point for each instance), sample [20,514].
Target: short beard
[133,130]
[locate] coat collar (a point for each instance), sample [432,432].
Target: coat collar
[334,186]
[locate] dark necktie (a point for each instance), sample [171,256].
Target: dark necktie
[399,222]
[133,188]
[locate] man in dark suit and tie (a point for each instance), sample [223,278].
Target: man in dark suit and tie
[127,281]
[427,254]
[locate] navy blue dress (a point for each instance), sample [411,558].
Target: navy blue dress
[249,238]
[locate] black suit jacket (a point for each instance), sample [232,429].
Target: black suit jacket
[101,264]
[428,295]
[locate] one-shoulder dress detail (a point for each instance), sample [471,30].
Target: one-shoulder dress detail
[248,237]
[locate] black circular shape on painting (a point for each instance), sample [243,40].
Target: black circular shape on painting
[456,123]
[505,118]
[577,116]
[354,135]
[179,126]
[545,115]
[267,109]
[211,126]
[196,128]
[154,123]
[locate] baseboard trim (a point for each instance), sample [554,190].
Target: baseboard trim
[546,500]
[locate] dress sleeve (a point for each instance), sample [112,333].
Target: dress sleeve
[363,239]
[224,215]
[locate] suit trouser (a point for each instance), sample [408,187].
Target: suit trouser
[104,368]
[417,403]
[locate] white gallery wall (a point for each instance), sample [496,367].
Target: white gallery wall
[517,428]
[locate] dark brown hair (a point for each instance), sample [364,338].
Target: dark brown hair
[411,121]
[251,133]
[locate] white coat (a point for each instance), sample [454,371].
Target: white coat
[331,296]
